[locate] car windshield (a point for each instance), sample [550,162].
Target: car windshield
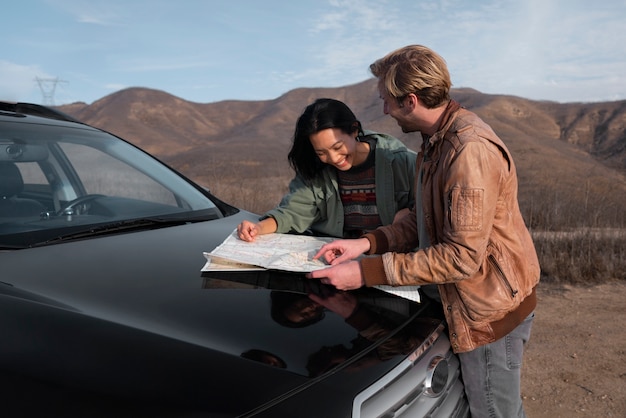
[61,181]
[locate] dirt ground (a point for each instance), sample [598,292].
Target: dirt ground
[575,361]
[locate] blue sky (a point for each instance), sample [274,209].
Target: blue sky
[207,50]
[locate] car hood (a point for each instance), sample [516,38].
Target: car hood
[150,282]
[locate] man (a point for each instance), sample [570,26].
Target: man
[465,234]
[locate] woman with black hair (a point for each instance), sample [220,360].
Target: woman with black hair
[348,181]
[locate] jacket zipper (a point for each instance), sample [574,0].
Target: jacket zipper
[495,264]
[450,209]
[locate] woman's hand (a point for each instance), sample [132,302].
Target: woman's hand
[247,231]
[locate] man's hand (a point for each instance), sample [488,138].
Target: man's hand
[344,276]
[338,251]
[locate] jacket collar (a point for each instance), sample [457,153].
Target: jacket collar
[449,114]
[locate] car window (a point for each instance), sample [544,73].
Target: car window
[61,180]
[114,177]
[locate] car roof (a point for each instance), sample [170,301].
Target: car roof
[30,113]
[31,109]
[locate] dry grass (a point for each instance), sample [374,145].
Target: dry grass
[584,257]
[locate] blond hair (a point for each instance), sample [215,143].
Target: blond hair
[414,69]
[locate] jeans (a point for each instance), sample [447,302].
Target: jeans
[492,375]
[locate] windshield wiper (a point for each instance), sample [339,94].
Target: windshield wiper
[114,228]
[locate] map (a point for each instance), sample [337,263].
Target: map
[286,252]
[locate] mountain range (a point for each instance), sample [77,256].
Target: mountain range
[568,155]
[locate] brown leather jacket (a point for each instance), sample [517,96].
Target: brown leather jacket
[481,254]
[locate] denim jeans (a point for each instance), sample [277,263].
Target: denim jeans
[492,375]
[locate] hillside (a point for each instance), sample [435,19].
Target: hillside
[568,155]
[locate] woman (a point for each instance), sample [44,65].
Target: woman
[348,181]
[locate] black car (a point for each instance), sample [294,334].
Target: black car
[104,309]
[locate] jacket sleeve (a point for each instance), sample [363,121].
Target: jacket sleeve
[403,230]
[298,209]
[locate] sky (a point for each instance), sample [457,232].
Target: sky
[205,51]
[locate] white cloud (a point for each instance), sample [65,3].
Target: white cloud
[348,37]
[115,86]
[18,82]
[95,12]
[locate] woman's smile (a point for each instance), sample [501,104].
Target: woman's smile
[339,149]
[342,164]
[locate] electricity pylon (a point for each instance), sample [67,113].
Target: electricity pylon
[48,87]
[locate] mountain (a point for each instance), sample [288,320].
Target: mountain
[568,155]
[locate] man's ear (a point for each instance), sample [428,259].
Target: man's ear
[411,101]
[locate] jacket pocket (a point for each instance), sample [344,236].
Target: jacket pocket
[500,274]
[493,291]
[465,209]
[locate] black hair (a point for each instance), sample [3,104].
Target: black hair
[321,114]
[282,301]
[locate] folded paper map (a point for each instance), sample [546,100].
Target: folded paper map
[285,252]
